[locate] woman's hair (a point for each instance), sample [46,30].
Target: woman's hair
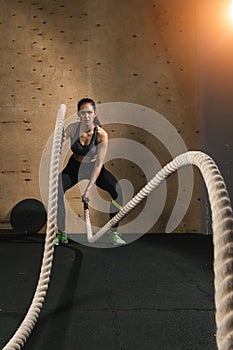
[84,101]
[92,103]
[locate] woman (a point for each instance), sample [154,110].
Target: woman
[89,143]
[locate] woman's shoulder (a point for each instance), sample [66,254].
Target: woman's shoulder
[71,128]
[102,134]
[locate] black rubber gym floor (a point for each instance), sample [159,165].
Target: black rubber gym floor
[155,293]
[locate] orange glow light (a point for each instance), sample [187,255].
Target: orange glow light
[231,10]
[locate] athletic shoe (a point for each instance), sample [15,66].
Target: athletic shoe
[61,237]
[116,239]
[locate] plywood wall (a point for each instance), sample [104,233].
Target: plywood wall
[53,52]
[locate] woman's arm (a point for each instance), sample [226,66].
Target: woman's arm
[68,135]
[101,153]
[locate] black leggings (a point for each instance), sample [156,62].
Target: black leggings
[75,172]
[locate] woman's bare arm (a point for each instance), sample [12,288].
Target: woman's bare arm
[69,132]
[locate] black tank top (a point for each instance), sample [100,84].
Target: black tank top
[81,150]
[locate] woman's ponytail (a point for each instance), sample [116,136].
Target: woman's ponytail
[96,121]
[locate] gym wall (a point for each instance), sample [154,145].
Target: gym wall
[53,52]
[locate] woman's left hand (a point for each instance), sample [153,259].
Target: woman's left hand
[86,196]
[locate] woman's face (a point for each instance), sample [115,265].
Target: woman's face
[87,114]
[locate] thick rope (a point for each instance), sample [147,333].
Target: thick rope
[26,327]
[222,222]
[222,234]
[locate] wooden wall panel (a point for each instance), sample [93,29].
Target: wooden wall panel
[53,52]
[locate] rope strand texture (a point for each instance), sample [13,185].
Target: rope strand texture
[222,223]
[21,335]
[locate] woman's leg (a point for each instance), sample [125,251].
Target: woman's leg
[67,179]
[106,181]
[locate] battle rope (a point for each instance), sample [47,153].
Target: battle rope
[222,236]
[222,222]
[26,327]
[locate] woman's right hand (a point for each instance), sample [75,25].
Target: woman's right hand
[64,136]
